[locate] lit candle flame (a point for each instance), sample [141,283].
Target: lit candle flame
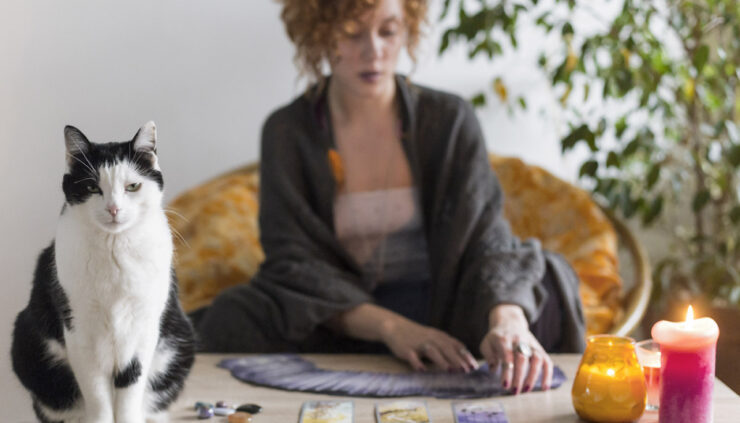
[610,372]
[690,314]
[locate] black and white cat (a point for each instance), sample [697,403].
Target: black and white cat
[103,337]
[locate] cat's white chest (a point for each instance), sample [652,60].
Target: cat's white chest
[116,283]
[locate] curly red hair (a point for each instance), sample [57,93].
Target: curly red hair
[315,26]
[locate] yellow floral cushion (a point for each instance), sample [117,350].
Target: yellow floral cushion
[217,234]
[567,221]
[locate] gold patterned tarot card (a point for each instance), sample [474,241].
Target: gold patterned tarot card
[327,412]
[407,411]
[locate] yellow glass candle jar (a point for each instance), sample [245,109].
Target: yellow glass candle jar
[609,385]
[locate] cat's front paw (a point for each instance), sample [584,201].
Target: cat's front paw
[130,417]
[160,417]
[97,419]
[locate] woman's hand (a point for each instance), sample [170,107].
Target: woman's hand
[413,342]
[509,328]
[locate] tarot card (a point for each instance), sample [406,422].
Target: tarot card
[405,411]
[358,384]
[374,381]
[403,385]
[328,381]
[298,381]
[327,412]
[479,412]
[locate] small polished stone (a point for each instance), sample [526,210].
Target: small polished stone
[205,412]
[223,411]
[223,404]
[250,408]
[240,417]
[200,404]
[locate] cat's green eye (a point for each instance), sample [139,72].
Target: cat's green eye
[133,187]
[93,189]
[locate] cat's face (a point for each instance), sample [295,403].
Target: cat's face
[113,184]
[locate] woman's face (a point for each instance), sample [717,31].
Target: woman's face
[365,60]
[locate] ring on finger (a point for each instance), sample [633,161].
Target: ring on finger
[524,349]
[507,365]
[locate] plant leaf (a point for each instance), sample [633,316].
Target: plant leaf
[620,126]
[588,168]
[700,57]
[735,214]
[700,200]
[612,159]
[733,155]
[445,9]
[629,206]
[653,174]
[445,43]
[631,147]
[653,211]
[500,88]
[580,133]
[567,29]
[479,100]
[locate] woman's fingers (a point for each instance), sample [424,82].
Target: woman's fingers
[413,359]
[535,366]
[547,373]
[521,364]
[456,352]
[432,352]
[506,353]
[456,361]
[470,359]
[489,355]
[447,352]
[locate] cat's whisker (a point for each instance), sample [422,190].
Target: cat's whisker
[176,213]
[86,179]
[87,166]
[179,236]
[82,151]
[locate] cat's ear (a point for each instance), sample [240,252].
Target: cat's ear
[76,143]
[145,140]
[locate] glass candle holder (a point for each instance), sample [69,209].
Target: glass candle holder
[648,355]
[610,384]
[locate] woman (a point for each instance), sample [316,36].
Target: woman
[381,219]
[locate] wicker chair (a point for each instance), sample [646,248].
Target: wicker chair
[217,239]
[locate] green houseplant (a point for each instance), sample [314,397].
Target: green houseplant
[671,150]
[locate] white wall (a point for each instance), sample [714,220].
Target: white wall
[207,73]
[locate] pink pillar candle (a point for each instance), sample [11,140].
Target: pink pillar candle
[688,351]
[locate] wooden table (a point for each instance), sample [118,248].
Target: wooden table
[210,383]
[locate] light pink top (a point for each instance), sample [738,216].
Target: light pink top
[383,230]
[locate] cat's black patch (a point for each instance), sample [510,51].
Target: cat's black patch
[52,382]
[129,375]
[40,414]
[85,164]
[176,332]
